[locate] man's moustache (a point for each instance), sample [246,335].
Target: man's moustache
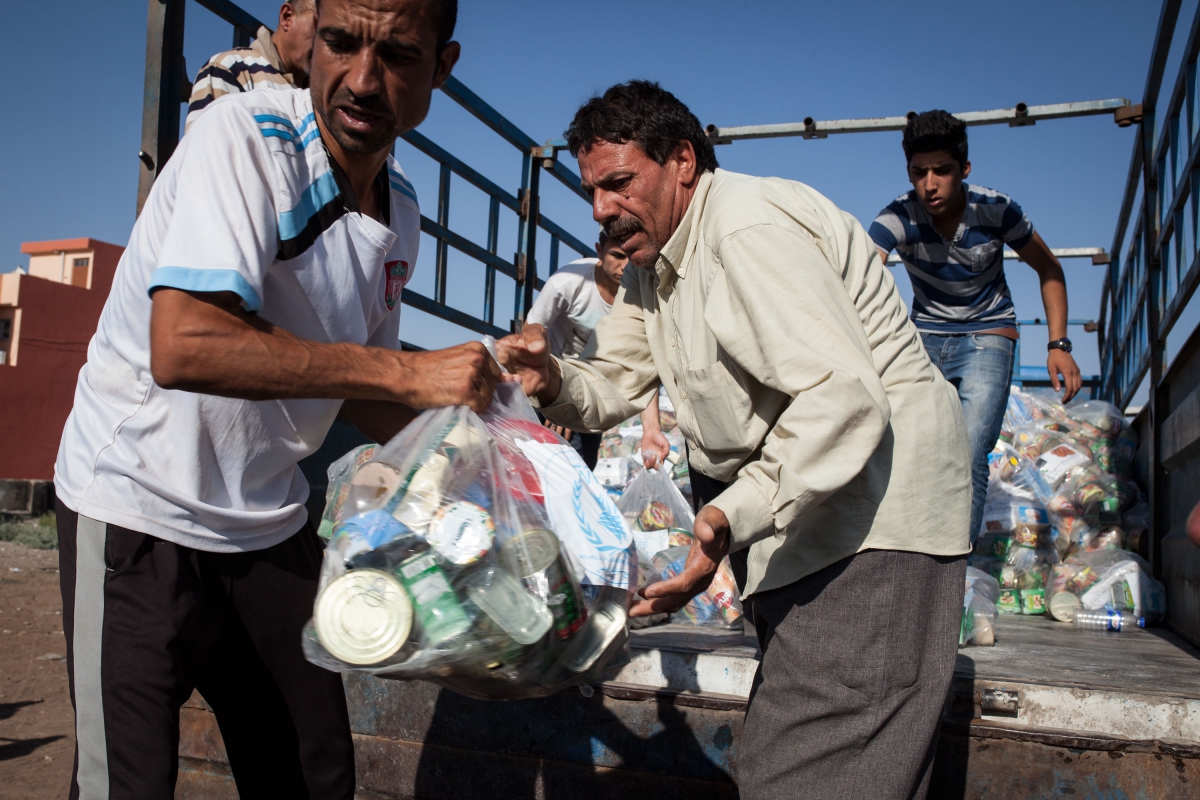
[623,227]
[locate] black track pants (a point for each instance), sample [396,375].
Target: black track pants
[147,621]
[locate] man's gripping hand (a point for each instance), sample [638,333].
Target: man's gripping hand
[710,544]
[527,356]
[464,375]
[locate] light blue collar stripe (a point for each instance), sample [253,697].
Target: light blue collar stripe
[406,192]
[401,179]
[308,137]
[308,120]
[275,133]
[193,279]
[315,197]
[262,118]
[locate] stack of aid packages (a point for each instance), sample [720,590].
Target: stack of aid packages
[1063,519]
[662,524]
[474,551]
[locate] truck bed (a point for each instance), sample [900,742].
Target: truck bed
[1048,712]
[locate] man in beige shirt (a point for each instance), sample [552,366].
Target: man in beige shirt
[830,446]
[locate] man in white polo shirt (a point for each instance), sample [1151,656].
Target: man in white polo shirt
[258,299]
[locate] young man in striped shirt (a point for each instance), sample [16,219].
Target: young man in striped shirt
[951,237]
[278,60]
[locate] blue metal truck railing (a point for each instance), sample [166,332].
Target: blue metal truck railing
[1153,274]
[167,88]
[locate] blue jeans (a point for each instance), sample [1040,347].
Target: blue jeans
[980,366]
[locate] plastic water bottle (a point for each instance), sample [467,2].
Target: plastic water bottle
[1107,619]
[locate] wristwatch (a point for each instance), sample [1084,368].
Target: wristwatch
[1063,344]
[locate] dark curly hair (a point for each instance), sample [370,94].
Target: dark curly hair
[931,131]
[644,113]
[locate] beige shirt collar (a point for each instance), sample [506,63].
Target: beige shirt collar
[677,252]
[265,47]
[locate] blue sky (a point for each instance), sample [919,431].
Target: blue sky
[74,124]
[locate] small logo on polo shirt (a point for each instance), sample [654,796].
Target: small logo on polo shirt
[397,276]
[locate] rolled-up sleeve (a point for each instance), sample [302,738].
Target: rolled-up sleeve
[780,309]
[615,376]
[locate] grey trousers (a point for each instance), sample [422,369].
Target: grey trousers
[857,662]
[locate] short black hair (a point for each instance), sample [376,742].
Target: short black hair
[931,131]
[644,113]
[447,18]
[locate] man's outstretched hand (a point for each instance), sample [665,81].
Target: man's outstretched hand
[527,356]
[710,544]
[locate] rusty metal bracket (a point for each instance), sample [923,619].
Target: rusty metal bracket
[1129,115]
[998,700]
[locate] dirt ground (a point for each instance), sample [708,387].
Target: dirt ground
[36,722]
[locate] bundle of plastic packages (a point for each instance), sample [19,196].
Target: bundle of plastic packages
[1106,578]
[655,511]
[478,553]
[1017,545]
[662,524]
[979,609]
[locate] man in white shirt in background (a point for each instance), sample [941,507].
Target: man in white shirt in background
[576,297]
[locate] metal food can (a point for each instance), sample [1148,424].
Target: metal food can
[535,557]
[461,533]
[436,604]
[656,516]
[363,617]
[679,537]
[518,613]
[603,628]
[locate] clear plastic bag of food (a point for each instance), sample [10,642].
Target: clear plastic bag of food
[452,560]
[339,474]
[655,509]
[717,606]
[978,620]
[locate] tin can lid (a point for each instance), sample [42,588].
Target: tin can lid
[363,617]
[529,552]
[461,533]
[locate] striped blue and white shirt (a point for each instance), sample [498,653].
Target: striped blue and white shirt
[958,285]
[250,203]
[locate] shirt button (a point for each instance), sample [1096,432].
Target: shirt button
[672,343]
[685,395]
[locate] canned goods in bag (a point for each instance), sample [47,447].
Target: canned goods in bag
[520,615]
[461,533]
[437,606]
[358,538]
[535,557]
[363,617]
[602,629]
[529,552]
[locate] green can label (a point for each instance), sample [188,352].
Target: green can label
[1033,601]
[436,605]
